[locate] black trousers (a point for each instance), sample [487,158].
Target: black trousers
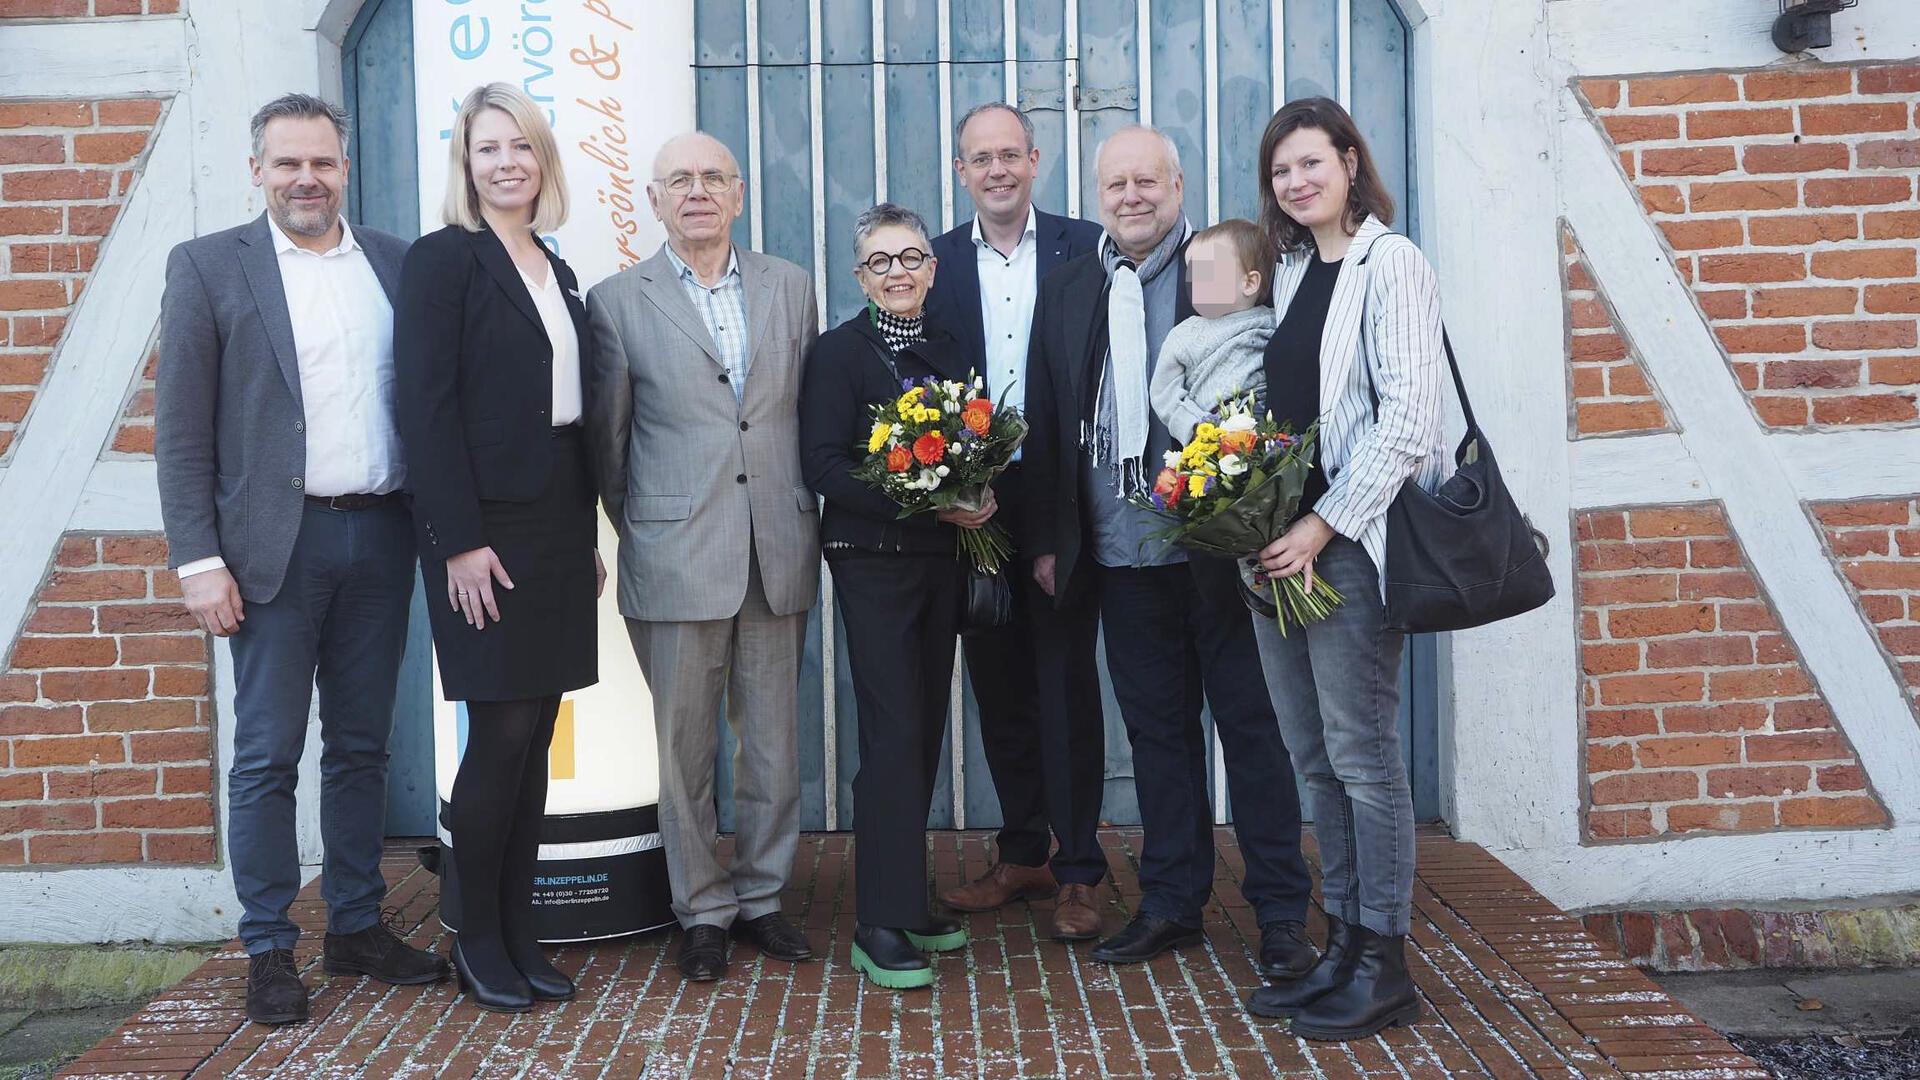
[1177,636]
[902,614]
[1040,725]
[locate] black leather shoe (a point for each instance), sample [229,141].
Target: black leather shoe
[941,934]
[1285,952]
[703,952]
[1378,993]
[275,994]
[774,936]
[1146,937]
[506,997]
[378,952]
[546,982]
[889,958]
[1287,998]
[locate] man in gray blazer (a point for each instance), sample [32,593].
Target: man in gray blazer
[695,369]
[279,473]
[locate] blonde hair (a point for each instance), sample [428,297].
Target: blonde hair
[462,205]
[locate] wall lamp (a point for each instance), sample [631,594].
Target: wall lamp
[1806,24]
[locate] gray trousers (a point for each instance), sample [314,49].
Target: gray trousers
[753,659]
[340,618]
[1336,692]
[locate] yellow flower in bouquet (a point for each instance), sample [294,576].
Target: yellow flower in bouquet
[881,433]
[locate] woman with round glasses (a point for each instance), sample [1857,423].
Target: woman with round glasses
[898,587]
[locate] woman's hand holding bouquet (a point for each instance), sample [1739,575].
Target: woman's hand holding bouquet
[1233,490]
[937,447]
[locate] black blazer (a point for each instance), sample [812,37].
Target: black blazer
[846,374]
[954,300]
[474,382]
[1064,358]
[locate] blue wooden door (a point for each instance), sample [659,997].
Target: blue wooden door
[376,81]
[833,105]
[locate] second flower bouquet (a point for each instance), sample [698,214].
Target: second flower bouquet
[937,446]
[1233,490]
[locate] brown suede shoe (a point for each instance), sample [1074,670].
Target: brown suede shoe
[1075,916]
[1000,886]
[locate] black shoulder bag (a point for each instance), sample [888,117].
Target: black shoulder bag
[1462,556]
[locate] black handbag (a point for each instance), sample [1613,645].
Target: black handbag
[988,603]
[1462,556]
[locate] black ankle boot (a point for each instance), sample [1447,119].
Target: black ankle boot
[1377,994]
[888,957]
[1332,969]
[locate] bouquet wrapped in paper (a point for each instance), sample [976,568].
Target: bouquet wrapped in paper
[1233,490]
[937,446]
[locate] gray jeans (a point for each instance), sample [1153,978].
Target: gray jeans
[1336,691]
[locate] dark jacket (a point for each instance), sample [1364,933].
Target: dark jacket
[846,374]
[229,422]
[474,393]
[1068,347]
[954,300]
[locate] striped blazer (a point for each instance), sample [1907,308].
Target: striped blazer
[1368,455]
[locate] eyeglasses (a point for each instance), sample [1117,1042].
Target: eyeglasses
[1009,158]
[712,183]
[880,262]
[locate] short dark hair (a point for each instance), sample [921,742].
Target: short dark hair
[1250,244]
[1367,194]
[960,128]
[299,106]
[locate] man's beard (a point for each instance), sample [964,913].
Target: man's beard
[294,219]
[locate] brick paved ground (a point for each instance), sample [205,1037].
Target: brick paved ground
[1514,988]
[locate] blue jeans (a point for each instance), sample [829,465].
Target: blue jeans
[340,616]
[1336,692]
[1176,636]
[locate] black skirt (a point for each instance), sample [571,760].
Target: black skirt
[547,640]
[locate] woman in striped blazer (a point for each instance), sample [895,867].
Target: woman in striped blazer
[1358,348]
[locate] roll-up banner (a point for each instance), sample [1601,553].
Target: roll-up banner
[616,80]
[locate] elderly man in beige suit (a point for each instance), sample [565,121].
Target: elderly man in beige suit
[695,369]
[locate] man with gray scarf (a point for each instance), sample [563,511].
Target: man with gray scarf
[1176,630]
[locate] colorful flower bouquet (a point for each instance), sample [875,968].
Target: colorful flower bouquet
[1233,490]
[936,447]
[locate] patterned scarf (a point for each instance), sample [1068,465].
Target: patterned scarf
[898,331]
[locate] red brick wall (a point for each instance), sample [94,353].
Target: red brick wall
[1877,545]
[56,9]
[1727,939]
[133,434]
[1699,715]
[1788,198]
[1611,394]
[65,170]
[106,741]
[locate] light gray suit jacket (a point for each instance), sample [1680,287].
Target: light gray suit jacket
[690,476]
[229,428]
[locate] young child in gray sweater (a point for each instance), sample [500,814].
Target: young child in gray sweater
[1220,352]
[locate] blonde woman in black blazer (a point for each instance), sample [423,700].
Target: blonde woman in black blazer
[1357,348]
[488,334]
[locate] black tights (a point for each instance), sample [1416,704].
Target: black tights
[499,799]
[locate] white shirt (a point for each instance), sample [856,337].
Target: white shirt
[1009,284]
[558,322]
[343,341]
